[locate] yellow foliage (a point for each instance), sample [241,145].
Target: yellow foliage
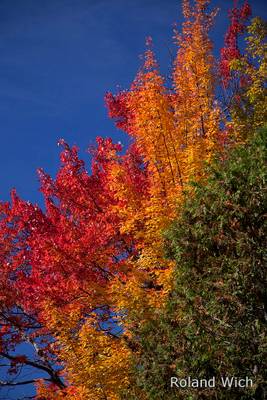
[249,109]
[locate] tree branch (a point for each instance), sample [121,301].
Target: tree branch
[54,377]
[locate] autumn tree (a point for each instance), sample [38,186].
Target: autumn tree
[58,262]
[244,73]
[176,130]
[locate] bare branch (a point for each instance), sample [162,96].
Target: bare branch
[54,376]
[31,381]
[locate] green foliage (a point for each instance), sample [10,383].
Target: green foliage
[214,323]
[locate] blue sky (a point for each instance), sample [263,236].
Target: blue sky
[58,58]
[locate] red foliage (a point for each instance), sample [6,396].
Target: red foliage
[230,51]
[75,245]
[117,109]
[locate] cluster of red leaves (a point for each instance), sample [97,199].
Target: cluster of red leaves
[230,51]
[75,245]
[117,109]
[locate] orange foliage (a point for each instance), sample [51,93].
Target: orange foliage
[176,129]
